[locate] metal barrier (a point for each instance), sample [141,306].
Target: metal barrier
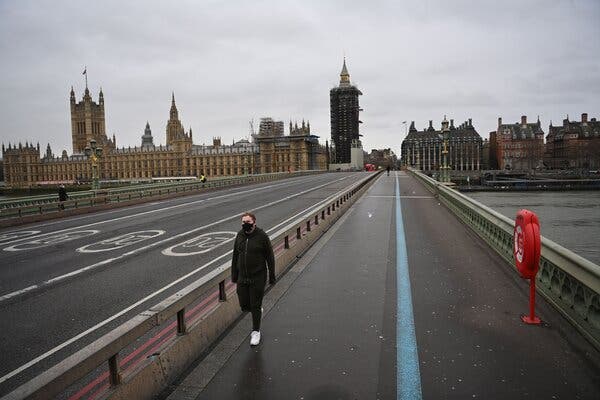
[191,341]
[568,281]
[37,205]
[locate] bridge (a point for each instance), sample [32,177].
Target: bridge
[388,287]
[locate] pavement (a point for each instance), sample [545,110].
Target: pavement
[398,300]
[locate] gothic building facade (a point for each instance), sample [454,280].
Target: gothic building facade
[269,151]
[424,149]
[344,110]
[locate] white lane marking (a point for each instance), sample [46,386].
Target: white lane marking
[8,236]
[200,244]
[143,248]
[109,319]
[51,240]
[243,191]
[119,242]
[106,321]
[18,292]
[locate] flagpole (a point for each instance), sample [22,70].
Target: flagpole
[85,70]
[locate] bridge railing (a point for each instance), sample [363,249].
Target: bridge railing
[38,205]
[568,281]
[154,373]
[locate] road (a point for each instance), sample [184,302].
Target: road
[65,283]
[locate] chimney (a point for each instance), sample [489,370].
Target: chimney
[470,122]
[431,123]
[451,124]
[523,119]
[584,117]
[499,121]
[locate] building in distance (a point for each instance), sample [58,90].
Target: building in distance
[344,113]
[574,145]
[518,146]
[424,149]
[270,151]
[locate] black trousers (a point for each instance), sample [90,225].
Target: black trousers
[250,296]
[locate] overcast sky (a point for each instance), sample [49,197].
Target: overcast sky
[232,61]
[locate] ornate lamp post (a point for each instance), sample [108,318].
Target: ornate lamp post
[94,153]
[445,175]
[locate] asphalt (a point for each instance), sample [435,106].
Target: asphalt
[42,326]
[329,331]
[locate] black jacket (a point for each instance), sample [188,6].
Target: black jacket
[62,194]
[252,254]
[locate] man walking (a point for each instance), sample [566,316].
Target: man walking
[252,259]
[62,196]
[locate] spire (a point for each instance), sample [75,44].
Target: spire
[173,112]
[190,132]
[72,95]
[344,75]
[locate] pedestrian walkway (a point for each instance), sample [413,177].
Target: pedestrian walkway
[376,310]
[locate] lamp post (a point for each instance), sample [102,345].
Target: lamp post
[402,158]
[94,153]
[445,175]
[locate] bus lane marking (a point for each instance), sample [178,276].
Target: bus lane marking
[200,244]
[152,295]
[51,240]
[121,241]
[8,236]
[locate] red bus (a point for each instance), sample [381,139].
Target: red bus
[369,167]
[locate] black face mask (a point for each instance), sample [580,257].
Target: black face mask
[247,227]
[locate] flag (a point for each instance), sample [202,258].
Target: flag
[85,71]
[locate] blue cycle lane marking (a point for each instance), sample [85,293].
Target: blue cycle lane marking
[408,377]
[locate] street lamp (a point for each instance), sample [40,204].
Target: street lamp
[94,153]
[445,175]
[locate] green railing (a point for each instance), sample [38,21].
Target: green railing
[36,205]
[568,281]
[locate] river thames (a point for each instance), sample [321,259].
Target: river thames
[571,219]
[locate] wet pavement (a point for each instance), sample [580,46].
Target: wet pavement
[334,329]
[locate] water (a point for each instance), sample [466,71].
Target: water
[571,219]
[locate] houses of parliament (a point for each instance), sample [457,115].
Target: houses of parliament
[270,150]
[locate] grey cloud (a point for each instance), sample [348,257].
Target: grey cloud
[232,61]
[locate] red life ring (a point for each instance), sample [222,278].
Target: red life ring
[527,243]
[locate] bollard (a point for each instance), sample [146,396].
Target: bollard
[114,376]
[181,327]
[222,292]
